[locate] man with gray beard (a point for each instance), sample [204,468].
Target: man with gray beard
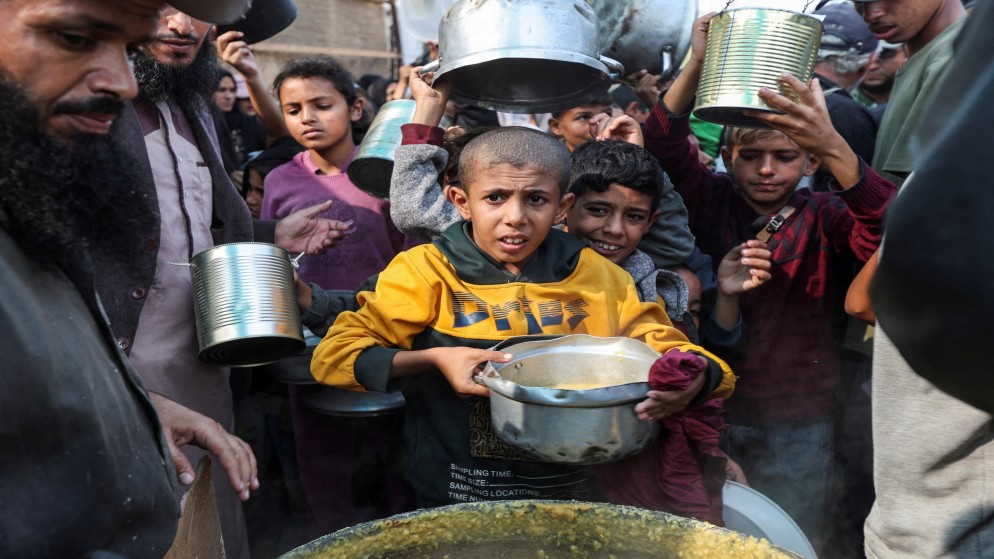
[89,459]
[194,205]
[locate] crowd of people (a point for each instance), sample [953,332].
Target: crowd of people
[136,138]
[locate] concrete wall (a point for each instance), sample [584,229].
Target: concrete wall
[355,32]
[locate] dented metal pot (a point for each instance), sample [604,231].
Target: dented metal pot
[572,399]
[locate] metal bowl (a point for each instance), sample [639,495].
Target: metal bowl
[529,529]
[571,399]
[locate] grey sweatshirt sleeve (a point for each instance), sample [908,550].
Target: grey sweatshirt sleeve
[669,241]
[417,205]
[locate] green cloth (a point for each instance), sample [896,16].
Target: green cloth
[708,134]
[915,86]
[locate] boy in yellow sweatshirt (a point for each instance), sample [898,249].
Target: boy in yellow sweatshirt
[503,272]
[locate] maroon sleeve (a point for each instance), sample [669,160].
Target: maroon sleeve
[413,133]
[705,193]
[867,202]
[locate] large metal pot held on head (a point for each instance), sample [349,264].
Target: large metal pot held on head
[649,34]
[571,399]
[245,304]
[522,56]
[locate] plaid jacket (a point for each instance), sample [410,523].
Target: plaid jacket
[789,367]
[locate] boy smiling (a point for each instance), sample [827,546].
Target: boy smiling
[502,272]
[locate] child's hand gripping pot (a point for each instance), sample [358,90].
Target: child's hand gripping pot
[429,102]
[457,364]
[674,380]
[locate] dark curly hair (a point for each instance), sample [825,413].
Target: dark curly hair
[327,68]
[599,164]
[318,67]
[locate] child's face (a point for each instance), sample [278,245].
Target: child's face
[573,126]
[767,170]
[512,210]
[612,222]
[318,115]
[224,95]
[253,191]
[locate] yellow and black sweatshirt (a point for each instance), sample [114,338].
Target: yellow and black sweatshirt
[451,293]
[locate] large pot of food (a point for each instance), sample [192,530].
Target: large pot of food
[537,529]
[522,56]
[572,399]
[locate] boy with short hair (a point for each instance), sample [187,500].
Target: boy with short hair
[572,126]
[617,187]
[781,418]
[503,272]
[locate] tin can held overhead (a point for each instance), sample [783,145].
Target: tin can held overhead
[749,48]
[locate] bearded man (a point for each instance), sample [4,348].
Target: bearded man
[89,458]
[193,205]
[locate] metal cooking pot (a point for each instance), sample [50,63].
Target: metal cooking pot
[522,56]
[529,529]
[576,425]
[245,305]
[650,34]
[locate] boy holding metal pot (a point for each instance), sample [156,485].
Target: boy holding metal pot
[781,418]
[502,272]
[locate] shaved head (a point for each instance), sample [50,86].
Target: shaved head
[517,146]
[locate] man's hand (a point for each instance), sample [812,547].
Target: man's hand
[236,52]
[623,127]
[744,268]
[304,231]
[459,364]
[660,403]
[182,426]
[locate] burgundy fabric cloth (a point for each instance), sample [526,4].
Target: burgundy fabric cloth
[683,470]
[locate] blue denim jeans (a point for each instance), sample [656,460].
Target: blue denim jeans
[790,463]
